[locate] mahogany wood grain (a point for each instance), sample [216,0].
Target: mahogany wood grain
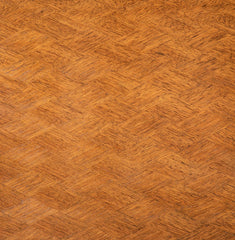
[117,119]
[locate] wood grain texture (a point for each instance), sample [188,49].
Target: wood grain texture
[117,119]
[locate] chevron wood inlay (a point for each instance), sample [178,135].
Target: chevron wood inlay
[117,120]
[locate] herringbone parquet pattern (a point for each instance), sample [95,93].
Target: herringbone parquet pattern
[117,119]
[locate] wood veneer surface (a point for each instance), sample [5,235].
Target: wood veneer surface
[117,119]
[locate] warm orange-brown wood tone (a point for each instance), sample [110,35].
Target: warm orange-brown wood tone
[117,119]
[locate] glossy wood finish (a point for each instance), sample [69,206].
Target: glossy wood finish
[117,119]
